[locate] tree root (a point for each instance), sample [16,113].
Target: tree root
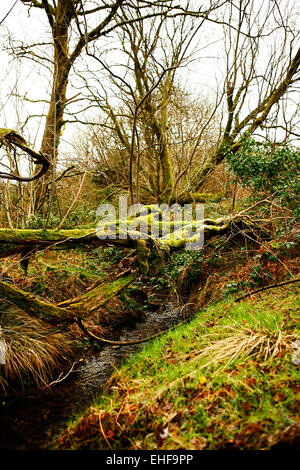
[99,339]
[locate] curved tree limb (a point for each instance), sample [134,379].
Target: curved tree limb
[100,339]
[279,284]
[11,139]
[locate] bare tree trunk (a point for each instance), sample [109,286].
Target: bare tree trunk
[54,120]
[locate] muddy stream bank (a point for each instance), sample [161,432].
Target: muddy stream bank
[32,420]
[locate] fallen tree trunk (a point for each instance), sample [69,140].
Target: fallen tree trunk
[67,312]
[146,233]
[188,234]
[99,294]
[14,241]
[33,305]
[19,240]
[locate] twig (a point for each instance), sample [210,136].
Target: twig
[267,287]
[120,410]
[61,378]
[124,343]
[102,430]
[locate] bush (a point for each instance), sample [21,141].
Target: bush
[268,169]
[185,267]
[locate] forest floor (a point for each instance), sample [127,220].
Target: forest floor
[228,378]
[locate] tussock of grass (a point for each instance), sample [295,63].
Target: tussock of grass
[245,343]
[34,351]
[226,380]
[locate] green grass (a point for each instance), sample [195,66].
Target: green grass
[225,380]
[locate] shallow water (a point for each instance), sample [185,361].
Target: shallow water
[30,421]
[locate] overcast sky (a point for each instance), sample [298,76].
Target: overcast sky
[26,78]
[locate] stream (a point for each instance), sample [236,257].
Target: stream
[30,421]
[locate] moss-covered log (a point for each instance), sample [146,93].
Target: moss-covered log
[204,232]
[143,255]
[34,306]
[98,295]
[126,233]
[23,240]
[66,312]
[18,240]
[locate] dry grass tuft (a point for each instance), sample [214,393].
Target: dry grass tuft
[34,351]
[261,343]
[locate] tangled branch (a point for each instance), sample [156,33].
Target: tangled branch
[11,139]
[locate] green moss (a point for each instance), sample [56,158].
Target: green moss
[10,135]
[68,310]
[99,295]
[34,306]
[14,241]
[143,254]
[24,235]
